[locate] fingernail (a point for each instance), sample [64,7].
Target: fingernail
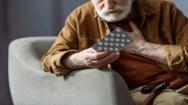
[114,53]
[117,53]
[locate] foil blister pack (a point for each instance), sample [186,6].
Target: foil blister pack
[115,41]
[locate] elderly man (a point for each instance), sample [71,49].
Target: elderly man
[157,53]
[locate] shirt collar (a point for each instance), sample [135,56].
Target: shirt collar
[144,7]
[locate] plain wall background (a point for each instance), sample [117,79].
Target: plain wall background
[37,17]
[182,5]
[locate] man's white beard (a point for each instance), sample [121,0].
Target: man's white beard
[124,11]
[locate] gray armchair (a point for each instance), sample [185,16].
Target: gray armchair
[30,85]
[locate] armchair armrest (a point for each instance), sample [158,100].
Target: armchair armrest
[30,85]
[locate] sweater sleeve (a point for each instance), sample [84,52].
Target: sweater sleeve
[65,45]
[177,54]
[177,58]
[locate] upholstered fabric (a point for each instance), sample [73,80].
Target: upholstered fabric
[30,85]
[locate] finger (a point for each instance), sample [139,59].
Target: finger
[133,26]
[115,58]
[97,64]
[90,63]
[109,59]
[99,55]
[91,50]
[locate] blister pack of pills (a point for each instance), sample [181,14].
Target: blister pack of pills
[114,41]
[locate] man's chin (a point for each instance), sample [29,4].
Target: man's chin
[113,18]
